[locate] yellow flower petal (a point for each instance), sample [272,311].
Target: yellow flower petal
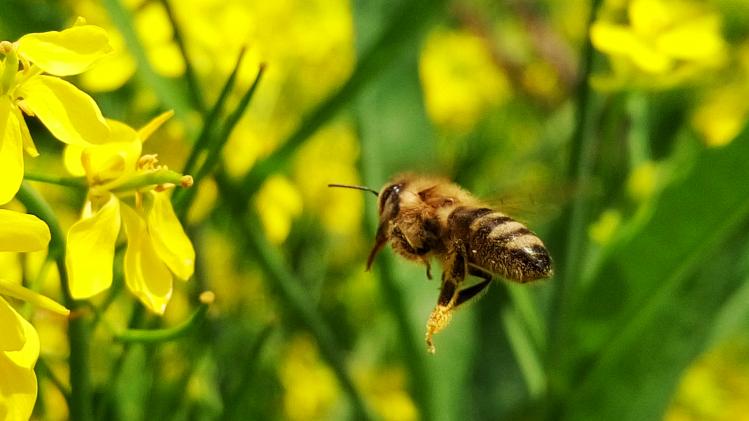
[68,52]
[11,155]
[619,40]
[699,39]
[169,239]
[12,335]
[91,249]
[153,125]
[115,158]
[21,232]
[70,114]
[18,387]
[72,159]
[145,274]
[17,291]
[28,142]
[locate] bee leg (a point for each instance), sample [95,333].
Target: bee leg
[467,294]
[429,271]
[479,273]
[454,275]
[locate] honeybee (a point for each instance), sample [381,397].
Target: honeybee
[426,217]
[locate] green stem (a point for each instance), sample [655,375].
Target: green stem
[250,366]
[290,291]
[163,335]
[196,93]
[76,182]
[170,95]
[214,149]
[574,220]
[212,119]
[78,325]
[153,179]
[52,377]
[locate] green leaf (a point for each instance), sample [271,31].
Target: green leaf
[646,315]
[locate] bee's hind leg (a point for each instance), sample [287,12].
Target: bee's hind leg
[453,276]
[467,294]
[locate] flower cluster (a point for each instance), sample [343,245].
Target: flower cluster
[125,189]
[70,114]
[19,342]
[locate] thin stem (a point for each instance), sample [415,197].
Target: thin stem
[214,149]
[196,93]
[291,293]
[41,364]
[214,152]
[78,325]
[75,182]
[163,335]
[574,220]
[170,95]
[212,119]
[250,368]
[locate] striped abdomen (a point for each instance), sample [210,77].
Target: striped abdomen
[499,244]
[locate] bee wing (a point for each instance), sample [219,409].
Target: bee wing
[540,204]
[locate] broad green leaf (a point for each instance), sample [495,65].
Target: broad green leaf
[646,314]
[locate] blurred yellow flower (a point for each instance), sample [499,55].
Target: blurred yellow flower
[71,115]
[460,78]
[278,202]
[19,342]
[665,43]
[156,241]
[603,230]
[643,181]
[722,115]
[315,167]
[310,386]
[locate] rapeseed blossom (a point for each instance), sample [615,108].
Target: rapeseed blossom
[665,43]
[70,114]
[121,193]
[19,341]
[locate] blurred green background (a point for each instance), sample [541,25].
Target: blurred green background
[613,129]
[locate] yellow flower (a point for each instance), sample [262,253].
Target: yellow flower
[460,79]
[19,342]
[120,193]
[665,43]
[71,115]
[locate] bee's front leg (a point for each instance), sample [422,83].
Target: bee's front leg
[454,274]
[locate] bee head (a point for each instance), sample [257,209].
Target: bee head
[388,207]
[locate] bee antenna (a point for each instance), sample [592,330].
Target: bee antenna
[349,186]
